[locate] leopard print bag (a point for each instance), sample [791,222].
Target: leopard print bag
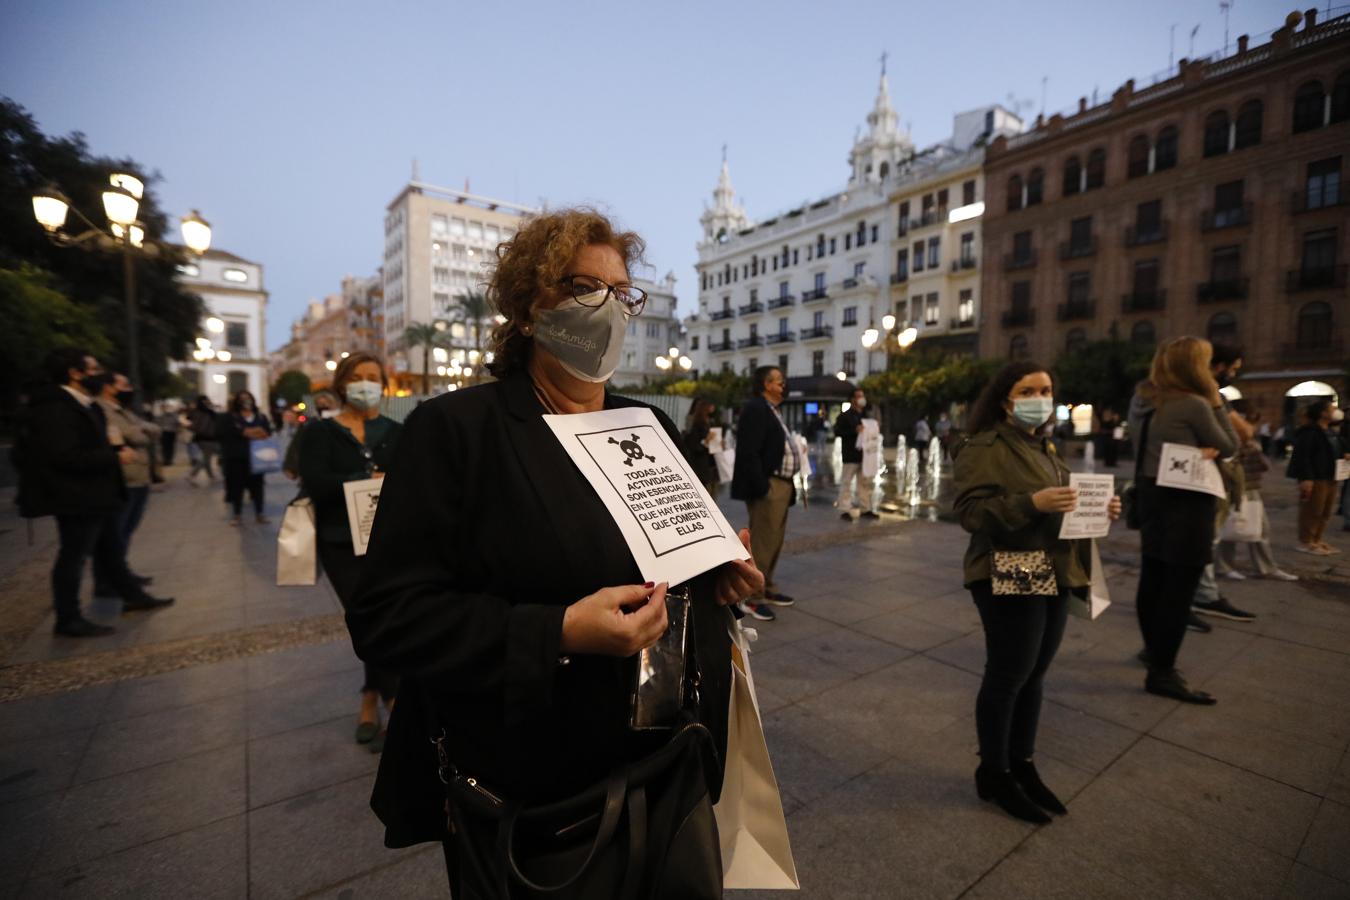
[1025,573]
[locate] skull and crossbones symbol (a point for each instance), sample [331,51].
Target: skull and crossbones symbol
[632,451]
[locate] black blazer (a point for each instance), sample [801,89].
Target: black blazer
[1315,454]
[760,446]
[329,455]
[486,532]
[846,427]
[70,469]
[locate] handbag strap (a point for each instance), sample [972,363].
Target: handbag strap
[616,791]
[1143,447]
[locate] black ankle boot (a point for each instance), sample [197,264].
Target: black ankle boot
[1003,789]
[1169,683]
[1025,774]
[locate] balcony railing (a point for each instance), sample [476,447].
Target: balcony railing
[1136,235]
[1014,318]
[1315,278]
[1232,217]
[816,332]
[780,302]
[721,346]
[1218,291]
[752,308]
[815,294]
[1076,309]
[1012,261]
[903,230]
[1330,350]
[718,315]
[962,323]
[850,283]
[753,340]
[929,217]
[1077,250]
[963,264]
[1142,301]
[782,337]
[899,277]
[1309,200]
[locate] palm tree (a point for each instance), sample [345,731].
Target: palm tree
[428,337]
[472,307]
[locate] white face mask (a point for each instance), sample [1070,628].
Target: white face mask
[364,395]
[327,413]
[1337,415]
[1033,412]
[586,340]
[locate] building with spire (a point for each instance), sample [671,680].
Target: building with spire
[798,289]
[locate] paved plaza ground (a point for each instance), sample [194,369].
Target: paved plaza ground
[206,750]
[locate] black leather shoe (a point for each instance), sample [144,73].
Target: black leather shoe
[1003,789]
[143,580]
[1171,684]
[145,601]
[81,627]
[1025,774]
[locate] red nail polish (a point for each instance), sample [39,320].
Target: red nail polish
[650,584]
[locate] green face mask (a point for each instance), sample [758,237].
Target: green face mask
[1033,412]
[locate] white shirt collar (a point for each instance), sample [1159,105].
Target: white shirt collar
[84,399]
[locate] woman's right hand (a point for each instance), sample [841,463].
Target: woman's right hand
[1055,500]
[598,624]
[1209,453]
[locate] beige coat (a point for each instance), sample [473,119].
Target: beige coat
[136,434]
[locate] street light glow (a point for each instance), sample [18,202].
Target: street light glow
[345,354]
[50,208]
[214,325]
[218,378]
[907,337]
[203,343]
[841,375]
[439,354]
[962,213]
[196,233]
[331,365]
[662,363]
[120,207]
[224,355]
[686,363]
[888,321]
[129,183]
[674,352]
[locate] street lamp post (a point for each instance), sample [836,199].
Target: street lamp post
[888,339]
[674,359]
[121,202]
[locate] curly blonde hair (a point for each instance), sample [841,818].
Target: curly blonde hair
[532,263]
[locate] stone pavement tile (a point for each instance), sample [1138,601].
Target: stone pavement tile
[965,652]
[206,862]
[134,808]
[24,824]
[48,714]
[171,623]
[1165,852]
[792,673]
[1327,848]
[953,610]
[43,645]
[853,651]
[303,702]
[41,765]
[910,591]
[1304,883]
[1112,691]
[1339,789]
[315,840]
[840,608]
[128,744]
[793,624]
[1225,798]
[768,701]
[1083,740]
[419,876]
[809,758]
[904,630]
[283,609]
[285,666]
[1044,868]
[306,759]
[171,690]
[1292,714]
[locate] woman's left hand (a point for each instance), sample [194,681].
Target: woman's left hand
[1113,508]
[739,578]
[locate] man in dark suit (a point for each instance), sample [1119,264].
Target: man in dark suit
[73,471]
[766,462]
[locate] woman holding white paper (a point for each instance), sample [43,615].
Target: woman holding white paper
[356,444]
[1178,404]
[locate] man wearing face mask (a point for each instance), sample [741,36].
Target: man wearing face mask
[74,472]
[130,430]
[848,427]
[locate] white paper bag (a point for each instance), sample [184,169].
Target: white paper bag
[297,551]
[869,442]
[1243,525]
[755,848]
[726,464]
[1342,469]
[1099,596]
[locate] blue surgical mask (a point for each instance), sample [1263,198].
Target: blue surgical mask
[364,395]
[1033,412]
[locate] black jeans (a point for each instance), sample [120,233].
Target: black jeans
[168,442]
[1021,637]
[127,521]
[237,478]
[343,568]
[1163,603]
[82,537]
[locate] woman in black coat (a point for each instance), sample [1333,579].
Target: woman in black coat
[498,588]
[1317,447]
[234,429]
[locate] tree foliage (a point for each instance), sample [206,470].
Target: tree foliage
[291,386]
[35,318]
[924,384]
[1103,373]
[728,390]
[428,337]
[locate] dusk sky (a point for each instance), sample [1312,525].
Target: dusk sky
[291,125]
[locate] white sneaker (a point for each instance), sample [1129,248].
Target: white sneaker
[1234,575]
[1282,575]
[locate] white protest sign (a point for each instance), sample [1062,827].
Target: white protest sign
[869,442]
[1342,469]
[1185,467]
[673,528]
[363,497]
[1091,519]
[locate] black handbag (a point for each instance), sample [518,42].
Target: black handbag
[1129,497]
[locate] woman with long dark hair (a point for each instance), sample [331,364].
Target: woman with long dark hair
[1012,491]
[696,448]
[234,429]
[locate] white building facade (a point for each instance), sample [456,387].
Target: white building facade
[650,335]
[230,354]
[799,289]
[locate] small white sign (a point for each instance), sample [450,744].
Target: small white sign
[1092,518]
[673,528]
[1342,469]
[869,442]
[363,498]
[1185,467]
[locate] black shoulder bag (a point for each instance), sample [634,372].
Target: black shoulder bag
[1129,497]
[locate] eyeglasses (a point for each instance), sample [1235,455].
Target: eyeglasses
[581,287]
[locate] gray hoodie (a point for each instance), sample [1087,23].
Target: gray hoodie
[1182,419]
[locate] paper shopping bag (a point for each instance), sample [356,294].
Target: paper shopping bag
[726,464]
[297,551]
[755,848]
[1243,525]
[1098,598]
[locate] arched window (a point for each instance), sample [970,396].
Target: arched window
[1340,98]
[1222,329]
[1143,333]
[1035,187]
[885,170]
[1073,177]
[1014,193]
[1017,348]
[1138,162]
[1096,169]
[1075,340]
[1165,151]
[1248,125]
[1308,105]
[1216,133]
[1314,326]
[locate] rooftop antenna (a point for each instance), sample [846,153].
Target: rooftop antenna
[1194,31]
[1171,48]
[1044,80]
[1225,6]
[884,54]
[416,173]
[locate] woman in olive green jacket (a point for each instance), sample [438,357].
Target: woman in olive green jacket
[1012,492]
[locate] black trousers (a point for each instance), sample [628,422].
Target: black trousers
[343,568]
[1163,603]
[168,442]
[238,478]
[1021,637]
[82,537]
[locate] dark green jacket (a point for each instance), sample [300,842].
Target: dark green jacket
[331,455]
[997,471]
